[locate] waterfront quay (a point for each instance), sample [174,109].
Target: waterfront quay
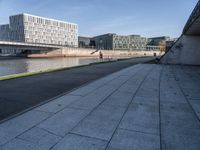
[142,107]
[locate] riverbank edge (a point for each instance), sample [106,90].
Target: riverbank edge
[20,75]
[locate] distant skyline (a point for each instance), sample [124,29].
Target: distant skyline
[95,17]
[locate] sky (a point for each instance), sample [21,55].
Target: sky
[147,18]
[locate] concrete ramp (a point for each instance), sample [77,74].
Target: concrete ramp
[185,51]
[187,48]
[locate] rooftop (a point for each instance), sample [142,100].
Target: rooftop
[26,14]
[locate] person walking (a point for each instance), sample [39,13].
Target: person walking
[100,55]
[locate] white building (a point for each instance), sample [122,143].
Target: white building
[34,29]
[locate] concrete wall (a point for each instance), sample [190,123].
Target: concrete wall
[108,53]
[54,53]
[185,51]
[83,52]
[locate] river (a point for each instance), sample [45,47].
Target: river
[12,66]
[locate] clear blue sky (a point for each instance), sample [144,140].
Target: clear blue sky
[145,17]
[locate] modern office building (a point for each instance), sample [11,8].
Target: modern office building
[159,41]
[137,42]
[84,42]
[34,29]
[165,42]
[170,43]
[112,41]
[4,32]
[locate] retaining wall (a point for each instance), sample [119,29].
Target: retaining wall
[78,52]
[185,51]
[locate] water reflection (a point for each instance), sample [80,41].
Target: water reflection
[22,65]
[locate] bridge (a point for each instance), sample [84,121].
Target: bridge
[25,49]
[186,50]
[31,46]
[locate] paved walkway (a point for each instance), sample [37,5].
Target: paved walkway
[143,107]
[22,93]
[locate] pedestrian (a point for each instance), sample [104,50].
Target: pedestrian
[100,55]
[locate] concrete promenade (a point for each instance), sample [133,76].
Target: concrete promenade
[142,107]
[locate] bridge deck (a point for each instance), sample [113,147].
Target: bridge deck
[143,107]
[22,44]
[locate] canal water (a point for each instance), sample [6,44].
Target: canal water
[21,65]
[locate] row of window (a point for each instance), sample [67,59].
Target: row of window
[60,41]
[51,27]
[4,27]
[44,21]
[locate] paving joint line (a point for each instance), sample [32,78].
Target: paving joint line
[88,136]
[138,131]
[159,108]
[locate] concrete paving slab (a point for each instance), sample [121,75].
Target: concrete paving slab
[180,128]
[16,126]
[146,100]
[148,93]
[76,142]
[189,85]
[35,138]
[18,144]
[175,107]
[101,123]
[58,104]
[129,140]
[62,122]
[101,82]
[130,87]
[179,120]
[196,106]
[94,99]
[84,90]
[118,99]
[172,97]
[180,138]
[192,93]
[118,81]
[142,118]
